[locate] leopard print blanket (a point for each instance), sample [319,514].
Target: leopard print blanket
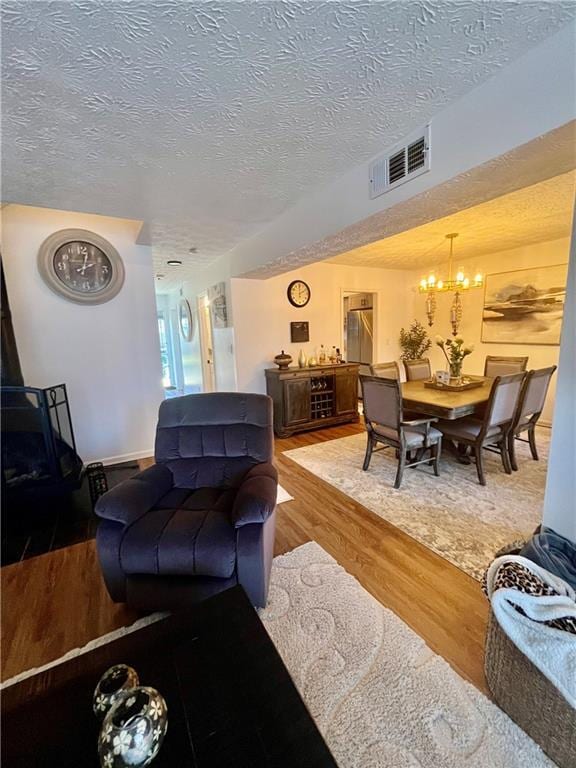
[517,576]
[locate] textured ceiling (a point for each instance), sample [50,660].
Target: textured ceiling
[209,118]
[531,215]
[552,154]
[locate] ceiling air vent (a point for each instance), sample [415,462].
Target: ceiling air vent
[401,164]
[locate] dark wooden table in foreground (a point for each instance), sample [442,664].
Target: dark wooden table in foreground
[231,702]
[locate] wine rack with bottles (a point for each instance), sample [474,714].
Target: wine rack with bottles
[321,397]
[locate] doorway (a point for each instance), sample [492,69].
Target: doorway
[167,357]
[206,343]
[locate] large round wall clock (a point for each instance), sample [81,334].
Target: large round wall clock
[298,293]
[81,266]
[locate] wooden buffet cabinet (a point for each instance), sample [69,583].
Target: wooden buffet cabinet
[311,398]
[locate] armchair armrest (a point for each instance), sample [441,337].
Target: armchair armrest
[133,498]
[256,497]
[418,422]
[421,423]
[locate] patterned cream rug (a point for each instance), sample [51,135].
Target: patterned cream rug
[380,696]
[452,514]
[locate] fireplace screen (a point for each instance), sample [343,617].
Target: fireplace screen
[38,447]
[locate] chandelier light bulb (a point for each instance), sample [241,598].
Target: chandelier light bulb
[423,283]
[460,276]
[478,278]
[431,281]
[466,282]
[440,284]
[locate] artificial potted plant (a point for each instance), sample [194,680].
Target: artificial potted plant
[454,351]
[414,341]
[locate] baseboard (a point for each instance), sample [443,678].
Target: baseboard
[547,424]
[125,457]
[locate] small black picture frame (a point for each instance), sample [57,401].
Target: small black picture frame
[299,332]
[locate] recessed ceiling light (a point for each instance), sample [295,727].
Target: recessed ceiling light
[193,249]
[174,262]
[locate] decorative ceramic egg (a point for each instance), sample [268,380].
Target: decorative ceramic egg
[114,682]
[133,730]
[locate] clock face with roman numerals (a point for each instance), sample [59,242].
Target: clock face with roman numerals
[81,266]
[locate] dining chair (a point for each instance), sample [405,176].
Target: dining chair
[495,365]
[417,369]
[492,432]
[530,405]
[385,424]
[386,370]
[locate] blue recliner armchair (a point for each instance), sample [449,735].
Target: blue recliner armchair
[202,518]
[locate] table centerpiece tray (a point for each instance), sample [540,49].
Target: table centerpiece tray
[467,383]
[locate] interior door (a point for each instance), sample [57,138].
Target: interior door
[206,344]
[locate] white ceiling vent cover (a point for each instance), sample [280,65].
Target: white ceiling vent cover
[402,163]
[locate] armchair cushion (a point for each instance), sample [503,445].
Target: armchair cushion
[466,429]
[256,497]
[415,436]
[187,533]
[133,498]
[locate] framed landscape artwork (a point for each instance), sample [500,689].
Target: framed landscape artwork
[524,306]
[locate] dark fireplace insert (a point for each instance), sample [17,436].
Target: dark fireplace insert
[38,447]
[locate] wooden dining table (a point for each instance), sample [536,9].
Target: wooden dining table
[445,404]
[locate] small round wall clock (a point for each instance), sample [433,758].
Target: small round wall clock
[81,266]
[298,293]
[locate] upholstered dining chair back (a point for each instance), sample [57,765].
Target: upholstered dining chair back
[213,440]
[386,370]
[503,366]
[503,400]
[534,392]
[382,401]
[417,369]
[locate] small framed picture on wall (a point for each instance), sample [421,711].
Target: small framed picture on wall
[299,332]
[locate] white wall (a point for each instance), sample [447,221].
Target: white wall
[560,498]
[108,355]
[538,255]
[262,315]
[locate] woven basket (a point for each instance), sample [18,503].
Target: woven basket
[529,698]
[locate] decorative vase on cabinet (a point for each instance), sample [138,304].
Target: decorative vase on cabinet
[302,359]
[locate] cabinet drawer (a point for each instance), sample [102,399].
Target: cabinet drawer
[300,374]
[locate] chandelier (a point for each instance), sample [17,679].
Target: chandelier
[458,283]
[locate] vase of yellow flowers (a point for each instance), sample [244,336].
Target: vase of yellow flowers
[454,351]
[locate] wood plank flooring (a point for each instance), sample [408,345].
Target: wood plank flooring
[58,601]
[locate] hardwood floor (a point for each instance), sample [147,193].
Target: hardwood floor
[56,602]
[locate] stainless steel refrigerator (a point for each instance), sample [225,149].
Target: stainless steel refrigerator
[360,332]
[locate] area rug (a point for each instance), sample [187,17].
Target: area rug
[380,696]
[453,514]
[282,495]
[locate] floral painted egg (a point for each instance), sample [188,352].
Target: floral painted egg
[114,682]
[133,730]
